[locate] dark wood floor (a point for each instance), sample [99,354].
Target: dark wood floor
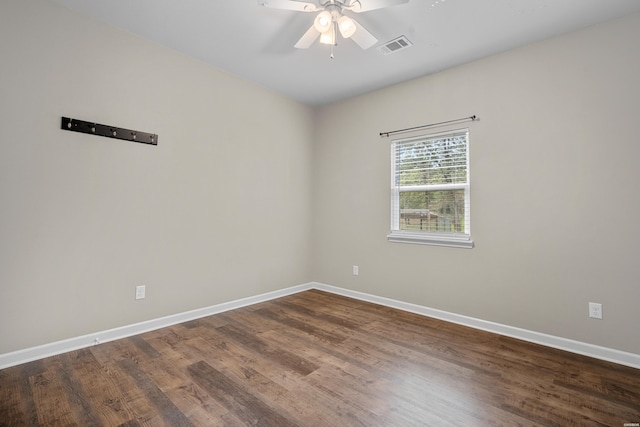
[318,359]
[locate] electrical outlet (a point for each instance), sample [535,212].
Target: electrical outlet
[356,270]
[140,291]
[595,310]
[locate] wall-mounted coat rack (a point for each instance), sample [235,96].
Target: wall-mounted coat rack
[108,131]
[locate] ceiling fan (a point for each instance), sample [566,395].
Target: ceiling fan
[331,19]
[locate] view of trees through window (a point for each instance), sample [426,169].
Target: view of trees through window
[429,174]
[432,211]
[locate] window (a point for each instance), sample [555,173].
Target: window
[430,202]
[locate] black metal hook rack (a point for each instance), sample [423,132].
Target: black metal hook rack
[92,128]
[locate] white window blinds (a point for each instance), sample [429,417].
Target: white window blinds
[430,200]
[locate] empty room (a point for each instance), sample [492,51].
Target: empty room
[319,213]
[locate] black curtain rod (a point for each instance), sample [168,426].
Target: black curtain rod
[386,134]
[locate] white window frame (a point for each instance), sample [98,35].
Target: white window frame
[436,238]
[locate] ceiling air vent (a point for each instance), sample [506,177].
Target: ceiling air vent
[395,45]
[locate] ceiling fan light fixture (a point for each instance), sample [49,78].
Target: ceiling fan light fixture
[323,21]
[346,26]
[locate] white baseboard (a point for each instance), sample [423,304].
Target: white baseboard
[52,349]
[585,349]
[58,347]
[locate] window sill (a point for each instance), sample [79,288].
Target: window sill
[453,241]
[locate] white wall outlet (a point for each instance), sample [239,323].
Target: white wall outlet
[595,310]
[356,270]
[140,291]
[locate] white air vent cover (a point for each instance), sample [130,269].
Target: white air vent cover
[395,45]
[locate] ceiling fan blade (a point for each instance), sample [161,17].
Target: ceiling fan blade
[308,38]
[360,6]
[362,37]
[300,6]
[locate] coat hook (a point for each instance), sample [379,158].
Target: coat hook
[108,131]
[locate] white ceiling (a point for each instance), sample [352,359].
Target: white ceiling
[256,43]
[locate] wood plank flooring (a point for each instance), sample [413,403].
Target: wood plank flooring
[318,359]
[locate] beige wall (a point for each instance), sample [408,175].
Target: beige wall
[249,192]
[555,199]
[219,210]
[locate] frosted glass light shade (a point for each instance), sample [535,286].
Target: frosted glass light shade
[329,36]
[346,26]
[323,21]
